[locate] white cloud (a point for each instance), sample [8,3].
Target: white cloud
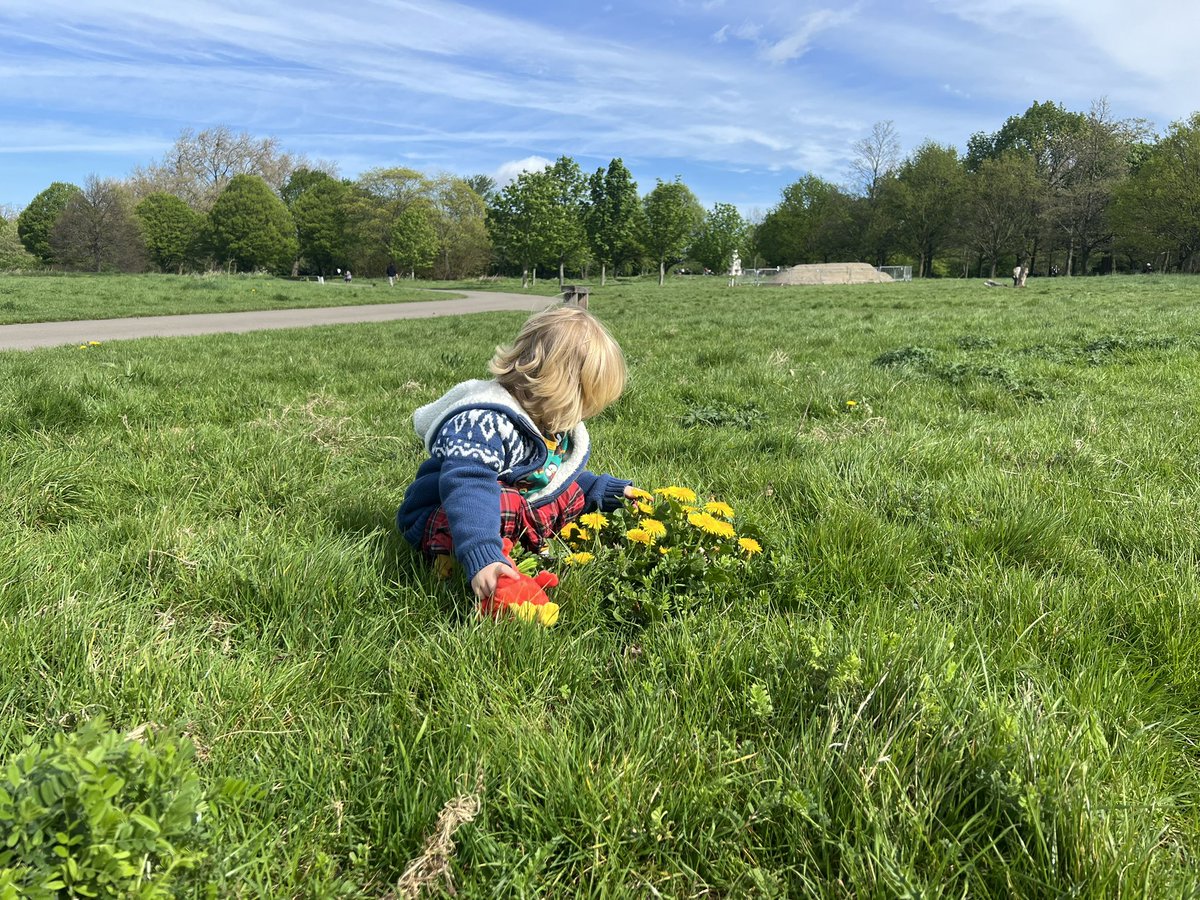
[508,172]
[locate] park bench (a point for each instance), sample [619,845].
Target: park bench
[575,295]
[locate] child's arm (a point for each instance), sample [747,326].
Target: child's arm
[602,492]
[475,451]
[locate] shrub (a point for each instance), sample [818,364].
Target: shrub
[99,814]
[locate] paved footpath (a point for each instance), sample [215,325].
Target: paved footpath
[53,334]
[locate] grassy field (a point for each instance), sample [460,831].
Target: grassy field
[976,671]
[62,298]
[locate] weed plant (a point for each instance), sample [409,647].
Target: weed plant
[975,670]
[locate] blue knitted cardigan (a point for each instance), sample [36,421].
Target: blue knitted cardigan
[478,437]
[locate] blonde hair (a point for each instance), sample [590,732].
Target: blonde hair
[563,367]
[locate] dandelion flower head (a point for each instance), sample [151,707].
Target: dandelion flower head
[717,508]
[594,520]
[639,536]
[579,559]
[682,494]
[750,546]
[654,528]
[710,524]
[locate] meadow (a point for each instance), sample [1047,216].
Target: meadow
[68,297]
[973,669]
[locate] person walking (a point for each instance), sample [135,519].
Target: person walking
[391,274]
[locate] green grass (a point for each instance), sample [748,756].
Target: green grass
[62,298]
[977,672]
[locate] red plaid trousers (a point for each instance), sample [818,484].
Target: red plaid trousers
[529,526]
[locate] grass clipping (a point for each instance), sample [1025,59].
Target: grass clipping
[433,865]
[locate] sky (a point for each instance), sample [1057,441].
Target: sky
[738,98]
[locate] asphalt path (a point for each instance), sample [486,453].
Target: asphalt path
[54,334]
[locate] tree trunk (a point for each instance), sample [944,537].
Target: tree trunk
[662,272]
[993,275]
[1070,258]
[560,274]
[602,267]
[524,277]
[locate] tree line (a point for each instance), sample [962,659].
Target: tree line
[1057,191]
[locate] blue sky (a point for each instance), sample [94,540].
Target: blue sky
[737,97]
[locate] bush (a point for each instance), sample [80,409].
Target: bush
[100,814]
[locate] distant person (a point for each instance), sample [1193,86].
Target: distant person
[1149,270]
[1016,276]
[391,274]
[347,277]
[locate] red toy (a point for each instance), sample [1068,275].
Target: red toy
[522,595]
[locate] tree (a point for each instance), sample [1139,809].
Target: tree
[566,237]
[383,195]
[200,165]
[517,220]
[323,215]
[810,224]
[1158,206]
[672,213]
[460,223]
[414,238]
[13,255]
[483,185]
[925,202]
[999,210]
[722,232]
[170,229]
[36,221]
[250,228]
[612,216]
[98,232]
[1100,160]
[873,167]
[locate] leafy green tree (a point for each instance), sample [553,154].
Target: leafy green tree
[566,236]
[414,237]
[98,231]
[483,185]
[999,210]
[517,220]
[612,216]
[925,201]
[13,255]
[873,167]
[36,221]
[323,215]
[1101,151]
[460,220]
[250,228]
[721,233]
[170,229]
[1157,208]
[810,224]
[672,214]
[382,197]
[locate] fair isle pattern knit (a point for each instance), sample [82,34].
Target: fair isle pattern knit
[472,434]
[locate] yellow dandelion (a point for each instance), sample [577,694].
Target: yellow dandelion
[639,536]
[710,524]
[654,528]
[639,494]
[582,534]
[750,546]
[594,520]
[93,343]
[579,559]
[682,494]
[644,508]
[567,530]
[717,508]
[688,510]
[663,551]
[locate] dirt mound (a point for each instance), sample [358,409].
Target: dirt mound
[830,273]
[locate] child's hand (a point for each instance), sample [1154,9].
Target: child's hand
[485,580]
[630,492]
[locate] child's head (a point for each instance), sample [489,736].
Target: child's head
[563,367]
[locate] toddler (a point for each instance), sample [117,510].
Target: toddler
[507,456]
